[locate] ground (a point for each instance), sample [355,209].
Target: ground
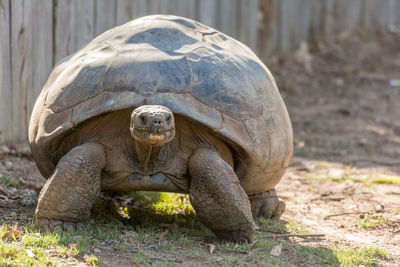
[342,189]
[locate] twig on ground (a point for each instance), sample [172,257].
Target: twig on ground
[254,250]
[296,235]
[342,213]
[327,198]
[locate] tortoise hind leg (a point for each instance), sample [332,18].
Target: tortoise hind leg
[217,197]
[267,204]
[67,197]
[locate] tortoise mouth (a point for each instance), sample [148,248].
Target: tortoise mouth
[151,137]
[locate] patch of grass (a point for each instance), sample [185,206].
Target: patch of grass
[371,222]
[261,254]
[164,246]
[8,180]
[316,254]
[92,260]
[299,152]
[196,254]
[40,240]
[279,226]
[323,164]
[141,257]
[232,247]
[270,225]
[295,228]
[159,263]
[359,256]
[22,246]
[170,203]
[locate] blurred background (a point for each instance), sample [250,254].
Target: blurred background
[35,34]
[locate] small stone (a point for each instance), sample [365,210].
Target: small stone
[379,208]
[58,229]
[9,165]
[362,216]
[54,223]
[5,149]
[69,226]
[96,250]
[30,253]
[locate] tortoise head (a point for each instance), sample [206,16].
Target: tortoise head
[153,125]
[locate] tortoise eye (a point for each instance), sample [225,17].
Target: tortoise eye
[143,119]
[168,118]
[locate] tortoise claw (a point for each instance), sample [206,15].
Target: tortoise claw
[60,226]
[267,204]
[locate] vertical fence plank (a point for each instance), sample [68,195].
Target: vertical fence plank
[316,20]
[63,30]
[207,12]
[75,26]
[227,17]
[267,29]
[348,15]
[341,17]
[374,18]
[105,15]
[21,65]
[248,22]
[153,7]
[185,8]
[5,75]
[142,8]
[294,23]
[83,17]
[392,15]
[123,12]
[42,46]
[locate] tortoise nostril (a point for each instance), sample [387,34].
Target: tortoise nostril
[157,123]
[143,119]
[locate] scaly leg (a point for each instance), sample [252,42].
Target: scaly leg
[217,197]
[66,199]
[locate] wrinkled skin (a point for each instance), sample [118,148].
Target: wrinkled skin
[147,147]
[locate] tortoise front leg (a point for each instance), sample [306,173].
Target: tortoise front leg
[267,204]
[217,197]
[67,197]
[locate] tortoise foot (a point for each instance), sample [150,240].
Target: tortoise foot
[220,202]
[235,236]
[60,226]
[267,204]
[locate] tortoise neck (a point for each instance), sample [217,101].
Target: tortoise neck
[147,155]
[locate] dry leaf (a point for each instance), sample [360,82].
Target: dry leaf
[212,247]
[6,255]
[276,251]
[161,235]
[10,234]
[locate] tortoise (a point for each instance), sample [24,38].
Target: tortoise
[162,103]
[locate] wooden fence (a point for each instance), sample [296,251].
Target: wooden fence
[35,34]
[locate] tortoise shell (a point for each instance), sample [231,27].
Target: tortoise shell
[194,70]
